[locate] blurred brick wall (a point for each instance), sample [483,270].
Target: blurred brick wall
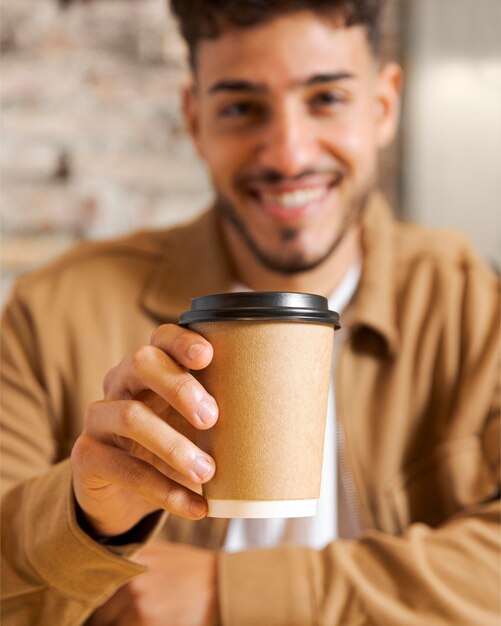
[93,144]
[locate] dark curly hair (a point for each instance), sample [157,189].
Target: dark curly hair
[205,19]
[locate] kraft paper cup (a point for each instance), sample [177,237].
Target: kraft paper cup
[270,376]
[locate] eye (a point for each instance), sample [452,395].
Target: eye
[237,110]
[327,99]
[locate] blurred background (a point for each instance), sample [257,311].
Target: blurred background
[93,145]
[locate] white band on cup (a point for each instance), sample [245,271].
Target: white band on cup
[262,508]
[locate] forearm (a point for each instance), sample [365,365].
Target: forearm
[433,576]
[51,568]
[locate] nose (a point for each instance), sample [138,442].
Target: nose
[289,145]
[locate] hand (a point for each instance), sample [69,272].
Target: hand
[132,458]
[179,590]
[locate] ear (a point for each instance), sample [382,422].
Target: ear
[387,104]
[191,115]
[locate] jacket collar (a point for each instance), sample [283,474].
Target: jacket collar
[374,305]
[194,263]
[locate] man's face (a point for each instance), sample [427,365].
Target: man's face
[289,116]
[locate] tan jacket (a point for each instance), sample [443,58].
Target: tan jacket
[417,393]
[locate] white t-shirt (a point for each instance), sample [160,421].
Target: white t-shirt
[318,531]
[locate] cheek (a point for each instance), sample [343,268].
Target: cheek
[226,159]
[356,144]
[356,134]
[219,152]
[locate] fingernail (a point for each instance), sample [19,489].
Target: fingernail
[194,350]
[202,467]
[207,411]
[198,508]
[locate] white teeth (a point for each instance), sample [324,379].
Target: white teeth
[293,199]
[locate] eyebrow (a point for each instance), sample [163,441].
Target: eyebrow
[317,79]
[247,85]
[236,85]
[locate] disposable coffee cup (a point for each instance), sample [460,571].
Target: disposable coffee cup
[270,376]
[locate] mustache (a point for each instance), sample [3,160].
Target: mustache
[270,176]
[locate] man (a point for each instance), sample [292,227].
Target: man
[289,107]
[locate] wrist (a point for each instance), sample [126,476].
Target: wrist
[136,534]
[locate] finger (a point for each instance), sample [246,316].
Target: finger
[184,345]
[135,475]
[133,420]
[149,367]
[142,453]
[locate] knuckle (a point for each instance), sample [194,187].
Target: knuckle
[159,334]
[180,342]
[142,356]
[81,451]
[175,448]
[156,335]
[133,474]
[90,413]
[131,415]
[108,380]
[183,388]
[172,499]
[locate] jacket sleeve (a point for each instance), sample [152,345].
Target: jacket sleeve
[447,575]
[52,571]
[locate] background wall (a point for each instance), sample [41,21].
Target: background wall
[452,118]
[93,144]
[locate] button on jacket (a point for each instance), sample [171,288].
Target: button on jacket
[417,392]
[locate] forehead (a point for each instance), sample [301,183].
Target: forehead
[284,49]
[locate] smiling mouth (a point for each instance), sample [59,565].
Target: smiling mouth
[295,199]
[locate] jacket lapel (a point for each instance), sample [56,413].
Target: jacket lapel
[374,305]
[193,264]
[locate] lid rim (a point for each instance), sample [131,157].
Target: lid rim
[260,306]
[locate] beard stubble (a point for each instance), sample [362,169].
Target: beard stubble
[296,262]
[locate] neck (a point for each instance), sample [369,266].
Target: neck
[322,280]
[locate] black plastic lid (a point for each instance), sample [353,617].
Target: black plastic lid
[260,305]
